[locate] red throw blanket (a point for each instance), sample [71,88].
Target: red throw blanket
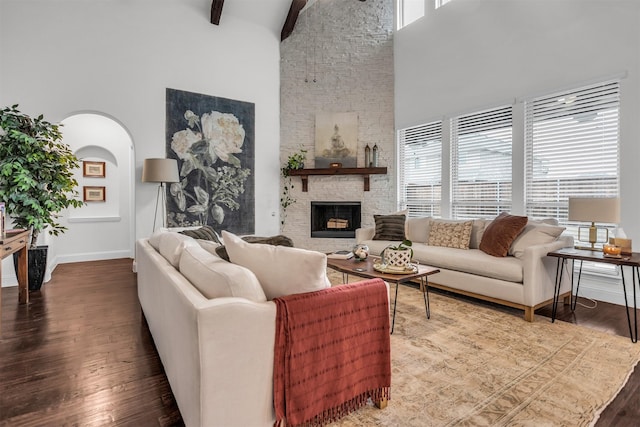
[332,352]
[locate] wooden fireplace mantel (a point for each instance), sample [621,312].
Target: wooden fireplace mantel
[365,172]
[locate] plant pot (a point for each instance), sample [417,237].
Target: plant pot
[397,257]
[37,260]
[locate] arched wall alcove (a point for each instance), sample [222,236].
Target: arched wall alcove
[101,229]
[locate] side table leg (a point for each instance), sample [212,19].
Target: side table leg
[634,338]
[556,289]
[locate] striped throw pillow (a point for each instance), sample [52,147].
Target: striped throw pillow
[389,227]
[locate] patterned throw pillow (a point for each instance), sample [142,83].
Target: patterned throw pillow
[389,227]
[450,234]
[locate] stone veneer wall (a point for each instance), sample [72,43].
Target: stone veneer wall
[347,47]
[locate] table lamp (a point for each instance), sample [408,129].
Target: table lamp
[161,171]
[594,209]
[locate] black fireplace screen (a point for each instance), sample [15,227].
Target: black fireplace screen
[335,219]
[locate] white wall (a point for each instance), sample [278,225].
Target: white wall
[117,58]
[474,54]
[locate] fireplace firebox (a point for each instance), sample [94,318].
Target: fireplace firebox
[335,219]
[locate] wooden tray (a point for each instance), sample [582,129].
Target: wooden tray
[388,270]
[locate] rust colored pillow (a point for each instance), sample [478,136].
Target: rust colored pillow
[500,233]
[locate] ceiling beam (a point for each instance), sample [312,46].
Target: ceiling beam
[292,17]
[216,11]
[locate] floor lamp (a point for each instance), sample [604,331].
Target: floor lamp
[161,171]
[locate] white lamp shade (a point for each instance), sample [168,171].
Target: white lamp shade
[160,170]
[595,209]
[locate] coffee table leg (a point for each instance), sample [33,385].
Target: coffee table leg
[395,302]
[424,287]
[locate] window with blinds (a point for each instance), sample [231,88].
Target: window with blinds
[481,147]
[572,149]
[420,169]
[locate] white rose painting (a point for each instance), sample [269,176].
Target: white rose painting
[212,139]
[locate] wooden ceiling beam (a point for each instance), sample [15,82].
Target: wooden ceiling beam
[292,17]
[216,11]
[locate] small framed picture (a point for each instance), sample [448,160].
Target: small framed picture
[93,169]
[94,194]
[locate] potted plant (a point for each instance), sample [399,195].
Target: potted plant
[398,255]
[36,180]
[294,161]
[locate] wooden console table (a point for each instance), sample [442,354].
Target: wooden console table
[16,242]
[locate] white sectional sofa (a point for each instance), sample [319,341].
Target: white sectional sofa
[213,322]
[525,279]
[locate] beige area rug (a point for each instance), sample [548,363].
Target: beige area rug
[472,365]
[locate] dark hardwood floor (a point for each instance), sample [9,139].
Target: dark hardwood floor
[81,354]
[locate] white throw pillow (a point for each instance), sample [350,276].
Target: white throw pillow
[281,270]
[215,277]
[417,229]
[209,246]
[534,234]
[154,239]
[172,244]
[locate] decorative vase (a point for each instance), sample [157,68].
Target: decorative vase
[37,260]
[396,257]
[360,252]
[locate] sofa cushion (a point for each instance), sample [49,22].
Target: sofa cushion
[450,234]
[172,244]
[500,233]
[534,234]
[281,270]
[472,261]
[279,240]
[215,277]
[417,229]
[389,227]
[477,231]
[209,246]
[154,239]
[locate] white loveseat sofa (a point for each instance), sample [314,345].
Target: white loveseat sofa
[213,323]
[524,279]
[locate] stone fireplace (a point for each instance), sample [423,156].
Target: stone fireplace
[335,219]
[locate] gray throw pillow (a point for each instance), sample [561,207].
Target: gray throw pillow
[389,227]
[203,233]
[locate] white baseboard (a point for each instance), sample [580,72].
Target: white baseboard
[92,256]
[9,278]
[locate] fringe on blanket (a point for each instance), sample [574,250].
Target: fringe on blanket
[334,414]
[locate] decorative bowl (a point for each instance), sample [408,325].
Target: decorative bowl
[361,252]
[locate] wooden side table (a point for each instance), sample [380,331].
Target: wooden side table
[16,242]
[365,269]
[582,255]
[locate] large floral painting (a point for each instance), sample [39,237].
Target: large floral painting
[212,139]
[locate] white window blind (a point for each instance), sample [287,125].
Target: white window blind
[481,163]
[572,149]
[420,169]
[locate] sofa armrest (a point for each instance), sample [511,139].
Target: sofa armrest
[236,361]
[365,233]
[539,271]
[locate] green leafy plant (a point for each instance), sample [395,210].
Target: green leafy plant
[294,161]
[36,172]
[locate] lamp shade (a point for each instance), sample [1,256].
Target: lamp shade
[160,170]
[594,209]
